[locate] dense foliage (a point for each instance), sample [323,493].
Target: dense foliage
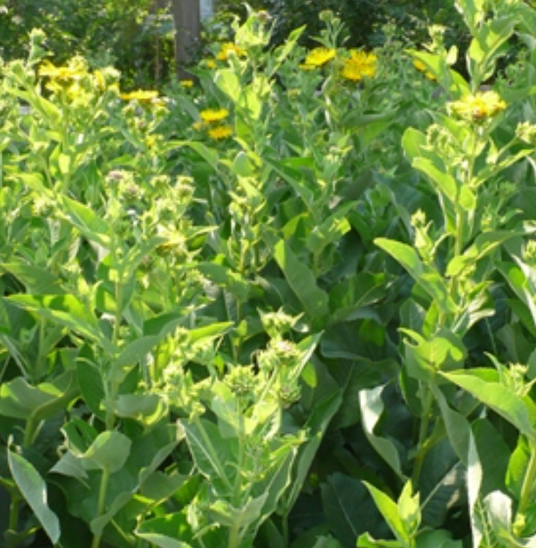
[289,304]
[118,32]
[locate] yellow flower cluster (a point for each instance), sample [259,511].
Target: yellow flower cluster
[213,118]
[220,132]
[420,66]
[227,48]
[74,70]
[359,65]
[479,106]
[187,83]
[140,95]
[318,57]
[75,82]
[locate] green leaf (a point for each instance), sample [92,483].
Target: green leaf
[67,310]
[20,400]
[319,418]
[108,452]
[36,280]
[409,509]
[227,515]
[348,508]
[164,532]
[424,275]
[33,489]
[441,484]
[87,222]
[227,80]
[366,541]
[301,279]
[372,408]
[390,512]
[498,397]
[214,456]
[443,352]
[458,428]
[446,183]
[147,409]
[331,230]
[472,11]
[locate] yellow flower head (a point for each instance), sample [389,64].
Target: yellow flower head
[319,56]
[187,83]
[420,66]
[211,116]
[198,126]
[359,64]
[75,70]
[142,96]
[227,48]
[220,132]
[210,63]
[478,106]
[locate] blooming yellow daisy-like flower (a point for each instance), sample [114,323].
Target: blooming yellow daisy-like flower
[421,67]
[75,69]
[478,106]
[187,83]
[318,57]
[220,132]
[211,116]
[359,64]
[140,95]
[227,48]
[210,63]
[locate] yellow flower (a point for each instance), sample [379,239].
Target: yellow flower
[319,56]
[187,83]
[210,115]
[227,48]
[76,69]
[210,63]
[420,66]
[220,132]
[359,64]
[476,107]
[142,96]
[198,126]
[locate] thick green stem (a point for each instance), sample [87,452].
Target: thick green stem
[29,433]
[528,482]
[14,510]
[234,538]
[101,505]
[422,446]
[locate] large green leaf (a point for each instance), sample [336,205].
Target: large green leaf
[427,277]
[33,489]
[517,410]
[372,408]
[348,508]
[301,279]
[170,531]
[20,400]
[68,310]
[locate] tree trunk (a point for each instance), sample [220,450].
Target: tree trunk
[186,20]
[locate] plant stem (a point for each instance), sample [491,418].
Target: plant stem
[423,433]
[234,537]
[29,432]
[528,482]
[14,509]
[101,505]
